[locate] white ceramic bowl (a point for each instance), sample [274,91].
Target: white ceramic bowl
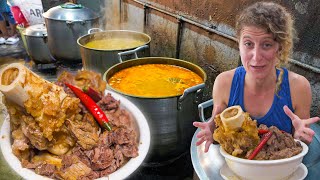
[121,173]
[264,169]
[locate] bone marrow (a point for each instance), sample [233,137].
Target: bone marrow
[232,117]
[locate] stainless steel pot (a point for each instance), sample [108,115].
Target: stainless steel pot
[36,41]
[65,24]
[101,60]
[170,118]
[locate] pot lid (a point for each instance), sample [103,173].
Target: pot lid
[38,30]
[70,12]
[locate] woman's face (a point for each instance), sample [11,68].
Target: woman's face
[258,51]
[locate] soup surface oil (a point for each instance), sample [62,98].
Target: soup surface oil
[154,80]
[115,43]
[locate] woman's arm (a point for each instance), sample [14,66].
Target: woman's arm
[301,97]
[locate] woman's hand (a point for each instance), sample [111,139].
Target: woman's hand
[207,128]
[302,128]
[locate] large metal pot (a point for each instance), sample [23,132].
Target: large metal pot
[170,118]
[36,41]
[65,24]
[101,60]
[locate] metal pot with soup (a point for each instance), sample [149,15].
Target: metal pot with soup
[99,50]
[65,24]
[168,92]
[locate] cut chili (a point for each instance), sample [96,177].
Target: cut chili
[264,140]
[92,93]
[263,131]
[93,108]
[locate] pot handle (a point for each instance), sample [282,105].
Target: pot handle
[90,31]
[69,23]
[198,88]
[133,51]
[203,106]
[45,38]
[189,90]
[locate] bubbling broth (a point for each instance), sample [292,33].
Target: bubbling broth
[115,43]
[154,80]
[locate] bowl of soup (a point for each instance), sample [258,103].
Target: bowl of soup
[99,50]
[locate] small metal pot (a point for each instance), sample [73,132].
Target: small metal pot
[169,118]
[65,24]
[101,60]
[36,41]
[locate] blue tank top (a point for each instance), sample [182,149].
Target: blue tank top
[275,116]
[4,7]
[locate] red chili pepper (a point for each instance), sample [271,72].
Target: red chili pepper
[95,110]
[262,131]
[264,140]
[92,93]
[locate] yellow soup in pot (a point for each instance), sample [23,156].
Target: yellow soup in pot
[115,43]
[154,80]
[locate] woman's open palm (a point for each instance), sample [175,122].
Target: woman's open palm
[302,128]
[207,128]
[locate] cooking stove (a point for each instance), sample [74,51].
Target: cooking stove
[71,67]
[51,71]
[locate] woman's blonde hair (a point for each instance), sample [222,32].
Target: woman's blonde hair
[277,21]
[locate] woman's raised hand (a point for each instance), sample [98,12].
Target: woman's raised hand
[207,128]
[302,128]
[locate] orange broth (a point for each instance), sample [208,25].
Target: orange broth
[154,80]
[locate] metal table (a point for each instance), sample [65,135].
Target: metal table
[206,165]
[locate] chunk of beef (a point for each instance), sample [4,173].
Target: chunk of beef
[123,136]
[118,156]
[102,158]
[76,169]
[65,77]
[109,170]
[21,145]
[108,103]
[90,176]
[31,129]
[85,131]
[46,170]
[85,78]
[81,154]
[120,118]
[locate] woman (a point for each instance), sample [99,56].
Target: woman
[270,94]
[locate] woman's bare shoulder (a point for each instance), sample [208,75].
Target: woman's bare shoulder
[301,95]
[222,86]
[298,82]
[225,77]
